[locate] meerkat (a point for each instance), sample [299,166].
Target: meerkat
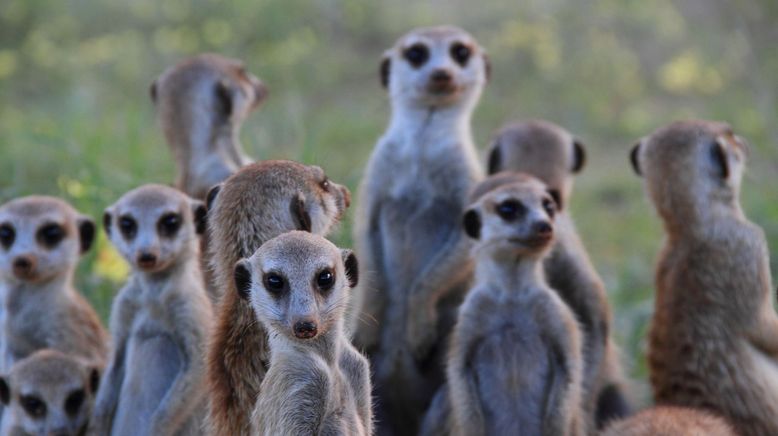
[49,392]
[550,153]
[201,103]
[713,341]
[670,421]
[318,383]
[515,364]
[407,228]
[256,204]
[41,239]
[160,320]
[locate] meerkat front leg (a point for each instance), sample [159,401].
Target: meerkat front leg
[467,414]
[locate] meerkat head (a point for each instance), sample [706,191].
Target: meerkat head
[542,149]
[50,393]
[511,214]
[298,284]
[41,238]
[435,67]
[154,225]
[691,165]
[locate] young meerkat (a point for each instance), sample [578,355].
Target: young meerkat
[160,320]
[257,203]
[713,342]
[407,230]
[515,363]
[201,103]
[670,421]
[49,393]
[41,239]
[318,383]
[553,155]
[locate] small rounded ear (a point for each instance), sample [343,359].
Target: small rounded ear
[557,197]
[719,155]
[153,92]
[579,156]
[495,159]
[633,158]
[5,390]
[86,233]
[211,196]
[243,279]
[352,267]
[199,216]
[94,379]
[299,214]
[472,223]
[223,92]
[487,68]
[384,70]
[107,220]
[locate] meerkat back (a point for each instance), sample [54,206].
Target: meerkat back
[670,421]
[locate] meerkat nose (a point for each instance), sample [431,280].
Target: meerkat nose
[305,329]
[23,264]
[543,228]
[147,259]
[441,76]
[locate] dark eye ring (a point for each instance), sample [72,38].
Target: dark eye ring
[33,406]
[325,184]
[7,235]
[509,209]
[461,53]
[416,54]
[548,206]
[50,234]
[325,280]
[274,283]
[169,223]
[128,226]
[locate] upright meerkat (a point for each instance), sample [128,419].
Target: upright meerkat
[160,320]
[49,393]
[553,155]
[201,103]
[515,363]
[407,227]
[41,239]
[713,342]
[258,203]
[670,421]
[318,383]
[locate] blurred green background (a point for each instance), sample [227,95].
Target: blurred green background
[76,120]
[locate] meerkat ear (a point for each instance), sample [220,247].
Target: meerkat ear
[495,159]
[153,92]
[579,156]
[487,68]
[94,379]
[472,223]
[211,196]
[352,267]
[243,279]
[633,158]
[557,197]
[719,155]
[224,95]
[384,69]
[86,233]
[5,390]
[199,216]
[300,214]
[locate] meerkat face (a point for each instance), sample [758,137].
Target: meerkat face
[41,238]
[435,67]
[514,217]
[691,162]
[541,149]
[154,225]
[298,284]
[50,393]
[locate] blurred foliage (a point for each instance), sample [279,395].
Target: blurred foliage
[76,120]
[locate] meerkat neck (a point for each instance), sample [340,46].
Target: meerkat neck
[413,122]
[22,294]
[327,346]
[511,271]
[186,265]
[701,220]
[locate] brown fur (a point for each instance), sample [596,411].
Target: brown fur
[670,421]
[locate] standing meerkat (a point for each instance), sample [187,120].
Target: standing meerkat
[49,393]
[160,320]
[257,203]
[713,342]
[407,227]
[515,363]
[553,155]
[318,383]
[201,103]
[670,421]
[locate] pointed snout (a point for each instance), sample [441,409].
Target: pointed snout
[306,329]
[24,266]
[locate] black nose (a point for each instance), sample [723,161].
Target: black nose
[305,329]
[543,228]
[441,76]
[147,258]
[23,264]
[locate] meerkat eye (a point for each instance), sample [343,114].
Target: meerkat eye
[325,280]
[325,184]
[274,283]
[510,210]
[169,224]
[50,235]
[461,53]
[33,406]
[74,401]
[7,235]
[417,54]
[128,226]
[549,207]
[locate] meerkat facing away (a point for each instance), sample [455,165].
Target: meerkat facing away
[257,203]
[515,362]
[713,342]
[670,421]
[318,383]
[49,392]
[553,155]
[201,103]
[407,230]
[160,320]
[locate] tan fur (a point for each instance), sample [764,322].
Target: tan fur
[670,421]
[251,207]
[713,342]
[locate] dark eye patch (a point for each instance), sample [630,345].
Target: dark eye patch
[169,224]
[510,210]
[325,280]
[548,206]
[128,226]
[417,54]
[325,184]
[74,401]
[274,283]
[33,405]
[7,235]
[50,235]
[460,53]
